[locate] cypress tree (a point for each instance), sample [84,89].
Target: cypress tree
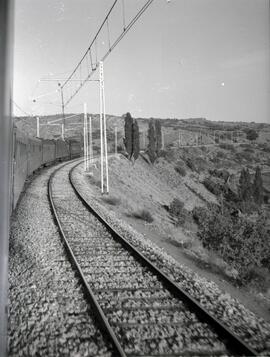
[258,187]
[158,137]
[135,139]
[245,187]
[128,134]
[152,141]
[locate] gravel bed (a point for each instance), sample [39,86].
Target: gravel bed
[48,315]
[252,329]
[144,329]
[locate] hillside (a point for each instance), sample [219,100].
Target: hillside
[141,195]
[187,131]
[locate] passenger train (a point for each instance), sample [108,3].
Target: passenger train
[31,153]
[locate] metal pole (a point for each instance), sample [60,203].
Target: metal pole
[104,128]
[84,138]
[90,140]
[115,139]
[37,127]
[63,112]
[162,139]
[6,40]
[101,130]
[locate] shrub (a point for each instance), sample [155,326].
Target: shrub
[226,146]
[264,147]
[212,186]
[163,153]
[176,207]
[144,215]
[241,242]
[180,169]
[190,164]
[200,164]
[96,148]
[199,214]
[251,134]
[249,149]
[178,211]
[240,156]
[222,174]
[111,200]
[168,154]
[119,148]
[221,155]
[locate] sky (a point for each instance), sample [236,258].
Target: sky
[182,58]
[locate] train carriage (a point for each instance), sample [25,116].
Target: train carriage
[75,148]
[34,159]
[31,153]
[62,150]
[20,159]
[48,151]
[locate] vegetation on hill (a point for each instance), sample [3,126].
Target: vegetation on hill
[151,150]
[240,240]
[131,139]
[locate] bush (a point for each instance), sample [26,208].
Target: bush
[167,154]
[212,186]
[251,134]
[221,155]
[199,214]
[180,169]
[111,200]
[178,211]
[241,242]
[249,149]
[222,174]
[176,207]
[190,164]
[240,156]
[200,164]
[119,148]
[144,215]
[226,146]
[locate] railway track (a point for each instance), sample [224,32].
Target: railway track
[141,310]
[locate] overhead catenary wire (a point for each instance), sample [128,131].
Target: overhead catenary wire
[93,41]
[22,110]
[124,15]
[111,47]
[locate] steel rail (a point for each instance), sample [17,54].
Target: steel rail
[230,339]
[88,291]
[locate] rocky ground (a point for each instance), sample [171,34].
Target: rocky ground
[48,315]
[246,324]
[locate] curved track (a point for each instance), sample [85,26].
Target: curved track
[142,311]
